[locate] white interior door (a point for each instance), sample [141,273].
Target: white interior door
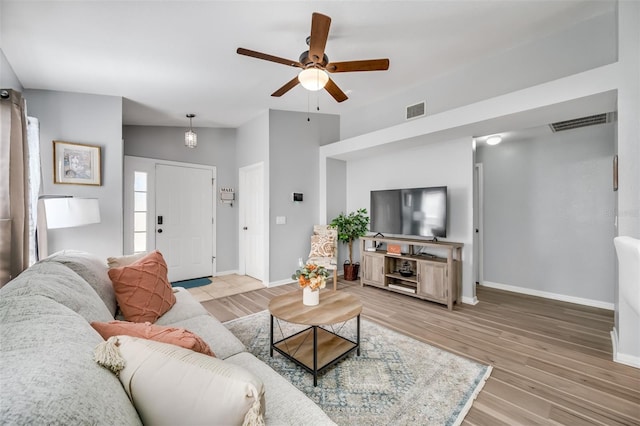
[183,220]
[251,190]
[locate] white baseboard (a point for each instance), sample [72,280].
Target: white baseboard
[630,360]
[221,273]
[549,295]
[278,283]
[470,300]
[289,281]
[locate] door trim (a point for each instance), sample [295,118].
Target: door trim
[148,165]
[242,267]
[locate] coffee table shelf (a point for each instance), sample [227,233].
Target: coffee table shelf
[315,348]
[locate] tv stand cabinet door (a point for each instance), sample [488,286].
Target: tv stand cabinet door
[432,280]
[373,269]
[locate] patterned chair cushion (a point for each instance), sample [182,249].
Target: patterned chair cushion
[322,245]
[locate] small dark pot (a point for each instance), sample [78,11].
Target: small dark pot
[351,271]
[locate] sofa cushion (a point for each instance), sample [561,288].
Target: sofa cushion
[47,371]
[172,335]
[285,404]
[192,389]
[186,307]
[217,336]
[57,282]
[92,269]
[142,288]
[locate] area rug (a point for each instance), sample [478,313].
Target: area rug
[396,380]
[196,282]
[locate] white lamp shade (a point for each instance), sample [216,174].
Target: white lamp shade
[313,79]
[70,212]
[190,139]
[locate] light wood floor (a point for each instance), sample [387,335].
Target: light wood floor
[551,360]
[225,285]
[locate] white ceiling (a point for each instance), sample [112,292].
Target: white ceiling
[170,58]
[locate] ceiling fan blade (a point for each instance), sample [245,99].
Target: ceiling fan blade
[335,91]
[365,65]
[271,58]
[319,33]
[288,86]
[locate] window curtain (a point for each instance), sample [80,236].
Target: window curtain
[15,206]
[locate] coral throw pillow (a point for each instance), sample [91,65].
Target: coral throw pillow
[159,333]
[142,289]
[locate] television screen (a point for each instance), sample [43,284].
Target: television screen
[412,212]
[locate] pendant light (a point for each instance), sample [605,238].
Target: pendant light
[190,137]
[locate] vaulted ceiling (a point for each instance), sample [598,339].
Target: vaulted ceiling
[170,58]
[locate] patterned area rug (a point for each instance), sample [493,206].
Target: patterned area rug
[396,380]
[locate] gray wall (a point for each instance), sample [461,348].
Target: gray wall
[446,163]
[8,78]
[253,143]
[587,45]
[216,147]
[549,213]
[93,120]
[336,182]
[294,167]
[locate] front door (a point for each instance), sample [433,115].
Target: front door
[183,220]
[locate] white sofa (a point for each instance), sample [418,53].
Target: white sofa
[47,371]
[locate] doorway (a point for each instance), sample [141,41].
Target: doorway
[252,257]
[169,206]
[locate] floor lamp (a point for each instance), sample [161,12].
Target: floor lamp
[58,211]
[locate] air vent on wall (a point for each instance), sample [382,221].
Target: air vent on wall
[583,122]
[417,110]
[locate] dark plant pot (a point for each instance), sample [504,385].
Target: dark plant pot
[351,271]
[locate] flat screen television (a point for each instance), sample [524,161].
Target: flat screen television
[412,212]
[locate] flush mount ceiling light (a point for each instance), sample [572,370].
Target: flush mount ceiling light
[313,79]
[190,137]
[494,140]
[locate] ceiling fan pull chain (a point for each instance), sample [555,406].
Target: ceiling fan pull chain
[308,103]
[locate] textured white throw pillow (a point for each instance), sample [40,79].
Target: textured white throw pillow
[116,262]
[170,385]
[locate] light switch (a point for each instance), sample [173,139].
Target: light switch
[281,220]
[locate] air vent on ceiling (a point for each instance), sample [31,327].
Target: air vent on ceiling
[583,122]
[417,110]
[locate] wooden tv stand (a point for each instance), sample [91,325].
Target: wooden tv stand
[436,268]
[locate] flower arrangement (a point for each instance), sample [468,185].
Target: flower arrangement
[312,276]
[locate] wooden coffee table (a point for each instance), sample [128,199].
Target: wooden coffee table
[315,348]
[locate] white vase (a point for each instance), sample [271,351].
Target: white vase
[310,297]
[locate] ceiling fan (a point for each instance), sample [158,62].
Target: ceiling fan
[315,63]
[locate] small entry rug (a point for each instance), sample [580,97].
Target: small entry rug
[396,380]
[196,282]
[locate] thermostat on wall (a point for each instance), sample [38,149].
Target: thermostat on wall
[297,196]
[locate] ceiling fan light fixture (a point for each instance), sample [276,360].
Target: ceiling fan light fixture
[190,137]
[313,79]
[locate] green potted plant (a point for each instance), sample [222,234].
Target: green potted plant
[350,227]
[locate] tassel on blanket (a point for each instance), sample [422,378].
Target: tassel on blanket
[107,355]
[254,416]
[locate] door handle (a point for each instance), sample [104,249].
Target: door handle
[160,231]
[244,228]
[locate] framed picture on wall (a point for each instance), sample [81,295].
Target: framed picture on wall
[76,164]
